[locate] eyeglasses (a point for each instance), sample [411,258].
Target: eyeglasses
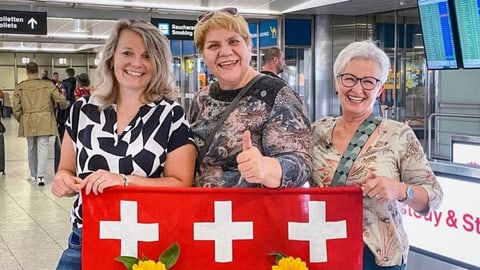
[205,16]
[350,80]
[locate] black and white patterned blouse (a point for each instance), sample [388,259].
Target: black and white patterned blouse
[279,127]
[158,128]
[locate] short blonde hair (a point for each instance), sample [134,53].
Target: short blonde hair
[221,20]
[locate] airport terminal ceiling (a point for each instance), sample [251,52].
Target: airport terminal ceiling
[83,25]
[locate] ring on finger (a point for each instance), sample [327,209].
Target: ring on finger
[377,196]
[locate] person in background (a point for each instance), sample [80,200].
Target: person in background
[56,81]
[68,85]
[33,109]
[67,88]
[273,61]
[83,87]
[265,141]
[2,95]
[132,105]
[391,167]
[44,75]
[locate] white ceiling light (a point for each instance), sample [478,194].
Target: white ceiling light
[313,4]
[79,26]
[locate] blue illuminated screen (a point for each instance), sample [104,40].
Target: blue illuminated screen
[438,35]
[468,24]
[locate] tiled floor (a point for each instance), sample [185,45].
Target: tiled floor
[34,224]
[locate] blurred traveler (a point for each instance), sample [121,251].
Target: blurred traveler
[33,109]
[83,87]
[273,61]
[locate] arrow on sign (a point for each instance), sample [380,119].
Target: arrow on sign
[32,22]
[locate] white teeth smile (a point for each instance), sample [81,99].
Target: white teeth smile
[228,63]
[355,99]
[133,73]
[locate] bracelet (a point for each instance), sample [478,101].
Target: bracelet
[125,179]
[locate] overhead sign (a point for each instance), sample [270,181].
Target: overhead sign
[175,29]
[268,33]
[23,22]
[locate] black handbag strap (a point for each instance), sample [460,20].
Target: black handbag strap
[234,103]
[354,148]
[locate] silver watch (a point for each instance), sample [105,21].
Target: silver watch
[409,194]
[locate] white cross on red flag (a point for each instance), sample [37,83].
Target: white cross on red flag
[224,228]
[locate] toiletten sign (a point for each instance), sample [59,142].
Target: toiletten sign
[23,22]
[224,228]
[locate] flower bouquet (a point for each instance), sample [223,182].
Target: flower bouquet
[285,262]
[165,261]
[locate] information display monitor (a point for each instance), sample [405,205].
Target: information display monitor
[438,34]
[468,25]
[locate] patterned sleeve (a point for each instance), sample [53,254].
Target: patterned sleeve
[325,161]
[287,137]
[180,132]
[415,169]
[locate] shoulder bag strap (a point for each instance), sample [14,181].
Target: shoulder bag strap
[353,149]
[234,103]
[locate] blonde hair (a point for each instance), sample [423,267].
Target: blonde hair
[158,48]
[221,20]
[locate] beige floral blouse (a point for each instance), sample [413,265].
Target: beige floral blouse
[395,153]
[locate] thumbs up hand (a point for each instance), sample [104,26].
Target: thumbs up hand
[247,140]
[250,161]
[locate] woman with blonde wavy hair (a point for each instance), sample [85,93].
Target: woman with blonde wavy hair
[130,131]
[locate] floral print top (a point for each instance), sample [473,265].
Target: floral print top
[279,127]
[396,154]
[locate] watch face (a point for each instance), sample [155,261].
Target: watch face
[410,192]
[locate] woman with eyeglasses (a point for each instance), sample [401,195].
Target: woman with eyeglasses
[265,139]
[381,156]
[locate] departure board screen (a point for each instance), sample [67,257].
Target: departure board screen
[468,25]
[438,35]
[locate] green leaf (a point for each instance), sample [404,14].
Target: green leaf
[128,261]
[170,256]
[278,255]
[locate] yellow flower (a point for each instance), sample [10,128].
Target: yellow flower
[289,263]
[149,265]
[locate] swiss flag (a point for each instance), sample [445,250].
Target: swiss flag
[224,228]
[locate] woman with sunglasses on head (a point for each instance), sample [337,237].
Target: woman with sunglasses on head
[391,167]
[129,131]
[265,140]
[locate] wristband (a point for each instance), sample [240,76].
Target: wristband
[125,179]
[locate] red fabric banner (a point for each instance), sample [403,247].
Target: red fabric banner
[224,228]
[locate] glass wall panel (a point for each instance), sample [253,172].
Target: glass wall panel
[79,60]
[44,60]
[7,77]
[7,59]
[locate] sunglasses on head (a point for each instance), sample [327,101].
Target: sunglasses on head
[205,16]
